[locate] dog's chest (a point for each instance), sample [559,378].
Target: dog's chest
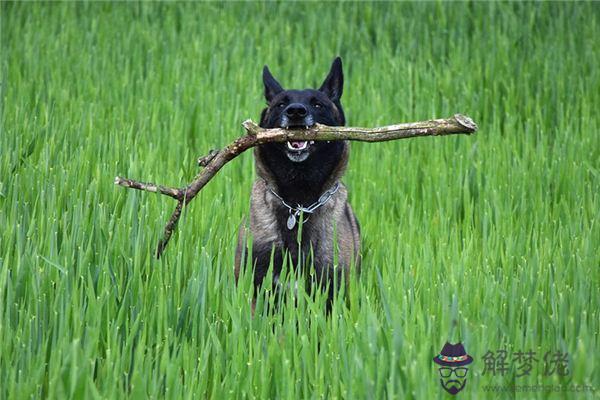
[312,236]
[308,234]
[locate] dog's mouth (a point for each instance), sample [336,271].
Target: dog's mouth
[299,145]
[298,150]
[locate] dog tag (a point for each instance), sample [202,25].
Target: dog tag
[291,222]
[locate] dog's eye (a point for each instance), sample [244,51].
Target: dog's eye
[316,104]
[281,105]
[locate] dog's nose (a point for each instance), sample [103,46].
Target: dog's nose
[296,110]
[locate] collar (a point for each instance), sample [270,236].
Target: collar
[295,212]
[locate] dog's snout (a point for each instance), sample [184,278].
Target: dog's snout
[296,110]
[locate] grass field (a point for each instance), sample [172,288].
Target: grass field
[492,240]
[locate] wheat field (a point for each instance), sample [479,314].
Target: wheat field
[491,240]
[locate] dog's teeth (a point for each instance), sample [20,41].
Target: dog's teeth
[312,142]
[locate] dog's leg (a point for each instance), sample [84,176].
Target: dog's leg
[326,279]
[262,253]
[241,251]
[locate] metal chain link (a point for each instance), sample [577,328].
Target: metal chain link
[296,211]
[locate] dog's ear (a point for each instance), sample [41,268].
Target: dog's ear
[272,87]
[334,83]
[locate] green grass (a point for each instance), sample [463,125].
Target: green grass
[491,239]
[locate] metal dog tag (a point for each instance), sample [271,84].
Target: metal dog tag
[291,222]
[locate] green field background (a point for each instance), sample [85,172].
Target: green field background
[492,239]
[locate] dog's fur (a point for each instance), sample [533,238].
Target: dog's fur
[332,233]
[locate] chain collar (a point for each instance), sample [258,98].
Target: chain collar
[295,212]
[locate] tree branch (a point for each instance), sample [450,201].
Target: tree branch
[256,135]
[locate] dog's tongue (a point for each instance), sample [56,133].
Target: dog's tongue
[297,145]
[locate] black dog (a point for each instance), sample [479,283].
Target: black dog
[299,182]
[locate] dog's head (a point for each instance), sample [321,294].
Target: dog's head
[297,109]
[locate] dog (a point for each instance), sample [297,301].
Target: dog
[299,184]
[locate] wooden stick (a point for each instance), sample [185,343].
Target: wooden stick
[256,136]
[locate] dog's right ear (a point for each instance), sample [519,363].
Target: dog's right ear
[272,87]
[334,83]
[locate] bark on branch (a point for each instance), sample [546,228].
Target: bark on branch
[256,135]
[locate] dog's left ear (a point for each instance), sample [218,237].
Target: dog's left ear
[334,83]
[272,87]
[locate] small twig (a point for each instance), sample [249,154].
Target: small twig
[256,135]
[203,161]
[169,228]
[177,194]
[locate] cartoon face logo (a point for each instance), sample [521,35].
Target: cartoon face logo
[453,373]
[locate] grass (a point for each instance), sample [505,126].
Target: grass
[491,240]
